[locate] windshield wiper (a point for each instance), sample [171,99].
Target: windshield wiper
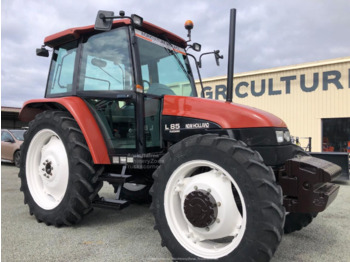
[173,53]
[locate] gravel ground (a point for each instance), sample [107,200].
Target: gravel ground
[128,235]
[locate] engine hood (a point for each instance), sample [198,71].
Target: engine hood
[225,114]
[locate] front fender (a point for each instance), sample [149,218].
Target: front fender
[81,113]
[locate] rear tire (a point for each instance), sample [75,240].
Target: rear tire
[297,221]
[17,158]
[58,177]
[213,198]
[138,193]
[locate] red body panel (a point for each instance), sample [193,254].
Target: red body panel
[74,33]
[81,113]
[227,115]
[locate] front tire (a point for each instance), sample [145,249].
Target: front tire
[213,198]
[58,177]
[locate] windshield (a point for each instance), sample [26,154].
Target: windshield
[18,134]
[164,67]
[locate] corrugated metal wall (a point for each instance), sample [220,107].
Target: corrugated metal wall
[301,95]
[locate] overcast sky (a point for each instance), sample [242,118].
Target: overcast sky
[269,33]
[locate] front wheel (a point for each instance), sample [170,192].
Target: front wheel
[58,178]
[213,198]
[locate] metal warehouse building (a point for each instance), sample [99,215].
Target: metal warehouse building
[312,98]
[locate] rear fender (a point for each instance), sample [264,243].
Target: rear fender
[81,113]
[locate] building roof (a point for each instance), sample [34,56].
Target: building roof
[10,109]
[283,68]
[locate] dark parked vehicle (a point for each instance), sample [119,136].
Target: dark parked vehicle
[11,140]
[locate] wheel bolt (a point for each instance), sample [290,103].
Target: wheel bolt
[43,169]
[207,228]
[195,188]
[218,204]
[217,220]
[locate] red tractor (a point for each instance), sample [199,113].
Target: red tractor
[121,106]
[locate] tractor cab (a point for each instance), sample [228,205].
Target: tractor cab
[121,73]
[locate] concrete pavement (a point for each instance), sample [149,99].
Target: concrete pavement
[128,235]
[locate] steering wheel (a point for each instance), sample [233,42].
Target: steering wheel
[147,82]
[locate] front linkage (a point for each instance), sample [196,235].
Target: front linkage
[305,181]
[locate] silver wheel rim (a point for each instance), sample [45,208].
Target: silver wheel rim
[47,169]
[229,225]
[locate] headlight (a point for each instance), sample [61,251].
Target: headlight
[286,136]
[279,135]
[283,136]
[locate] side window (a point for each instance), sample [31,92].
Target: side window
[62,69]
[145,77]
[6,137]
[106,62]
[152,122]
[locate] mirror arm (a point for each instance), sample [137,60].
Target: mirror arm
[217,57]
[198,72]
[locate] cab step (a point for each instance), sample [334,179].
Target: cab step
[114,178]
[116,204]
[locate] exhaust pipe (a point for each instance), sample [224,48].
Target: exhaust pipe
[231,55]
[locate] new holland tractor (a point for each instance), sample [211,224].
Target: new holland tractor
[121,106]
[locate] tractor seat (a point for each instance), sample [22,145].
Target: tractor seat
[159,90]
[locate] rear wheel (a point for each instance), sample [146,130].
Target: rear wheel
[138,193]
[17,158]
[58,177]
[297,221]
[213,198]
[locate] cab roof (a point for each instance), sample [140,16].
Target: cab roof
[74,33]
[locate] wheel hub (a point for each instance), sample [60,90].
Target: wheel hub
[200,208]
[47,168]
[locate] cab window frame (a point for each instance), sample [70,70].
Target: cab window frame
[104,93]
[51,74]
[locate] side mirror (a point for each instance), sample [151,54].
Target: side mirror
[42,52]
[103,22]
[216,54]
[217,57]
[98,62]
